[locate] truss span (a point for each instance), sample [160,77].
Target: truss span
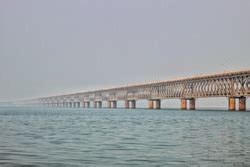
[228,84]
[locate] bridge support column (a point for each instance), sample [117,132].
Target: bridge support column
[231,103]
[133,104]
[192,104]
[99,104]
[109,104]
[88,104]
[158,104]
[150,104]
[126,104]
[242,103]
[114,104]
[95,104]
[183,104]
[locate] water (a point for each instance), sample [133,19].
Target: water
[106,137]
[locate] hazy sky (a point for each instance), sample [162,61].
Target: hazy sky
[50,47]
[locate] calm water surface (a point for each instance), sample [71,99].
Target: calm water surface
[106,137]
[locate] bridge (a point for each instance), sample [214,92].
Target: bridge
[233,85]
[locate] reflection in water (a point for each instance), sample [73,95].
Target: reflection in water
[73,137]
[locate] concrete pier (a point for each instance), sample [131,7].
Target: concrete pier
[109,104]
[114,104]
[95,104]
[183,104]
[126,104]
[133,104]
[150,104]
[242,103]
[88,104]
[154,104]
[192,104]
[231,103]
[99,104]
[158,104]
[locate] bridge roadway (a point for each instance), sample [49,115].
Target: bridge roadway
[232,85]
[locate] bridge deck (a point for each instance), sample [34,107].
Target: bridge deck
[234,84]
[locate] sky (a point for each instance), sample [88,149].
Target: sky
[64,46]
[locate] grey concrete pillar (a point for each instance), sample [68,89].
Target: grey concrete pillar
[109,104]
[126,104]
[99,104]
[192,104]
[114,104]
[133,104]
[88,104]
[95,104]
[158,104]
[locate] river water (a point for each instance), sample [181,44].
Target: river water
[120,137]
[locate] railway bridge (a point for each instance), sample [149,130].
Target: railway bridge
[233,85]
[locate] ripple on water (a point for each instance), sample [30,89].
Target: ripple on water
[54,137]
